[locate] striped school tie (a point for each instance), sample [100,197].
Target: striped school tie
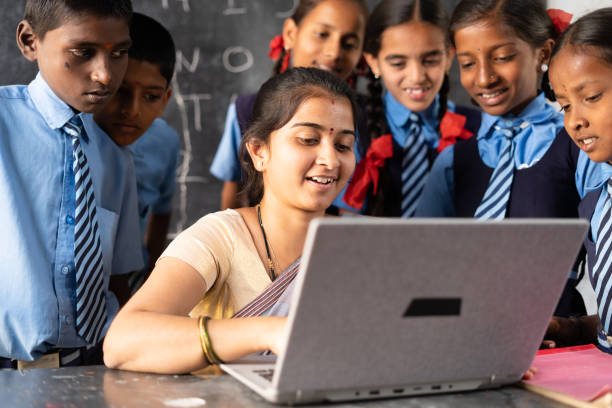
[601,273]
[495,200]
[414,167]
[90,296]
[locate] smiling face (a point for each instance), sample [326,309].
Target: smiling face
[582,83]
[412,62]
[141,98]
[329,37]
[83,60]
[307,162]
[498,69]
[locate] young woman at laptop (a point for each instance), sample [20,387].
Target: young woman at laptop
[298,156]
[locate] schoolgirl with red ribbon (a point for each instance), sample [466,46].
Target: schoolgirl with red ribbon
[521,163]
[323,34]
[408,51]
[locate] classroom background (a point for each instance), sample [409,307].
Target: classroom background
[222,48]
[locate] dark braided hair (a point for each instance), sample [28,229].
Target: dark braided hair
[391,13]
[527,18]
[303,8]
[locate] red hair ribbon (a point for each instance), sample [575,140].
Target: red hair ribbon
[366,172]
[277,45]
[561,19]
[452,129]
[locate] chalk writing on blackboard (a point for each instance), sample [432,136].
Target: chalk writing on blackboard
[186,7]
[240,67]
[232,9]
[182,62]
[288,13]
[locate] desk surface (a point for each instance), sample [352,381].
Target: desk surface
[97,386]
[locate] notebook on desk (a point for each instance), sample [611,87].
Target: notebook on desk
[392,307]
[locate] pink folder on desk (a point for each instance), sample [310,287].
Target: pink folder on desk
[583,373]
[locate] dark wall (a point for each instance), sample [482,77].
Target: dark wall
[221,53]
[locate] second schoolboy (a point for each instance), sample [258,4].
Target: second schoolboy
[132,118]
[69,205]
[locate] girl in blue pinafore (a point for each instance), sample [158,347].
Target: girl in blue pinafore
[521,162]
[324,34]
[412,120]
[581,76]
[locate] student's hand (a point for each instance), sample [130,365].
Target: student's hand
[561,332]
[530,373]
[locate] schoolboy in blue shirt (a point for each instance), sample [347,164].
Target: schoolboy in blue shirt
[63,239]
[131,118]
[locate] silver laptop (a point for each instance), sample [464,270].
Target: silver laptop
[391,307]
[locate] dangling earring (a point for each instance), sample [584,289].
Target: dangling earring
[544,67]
[377,76]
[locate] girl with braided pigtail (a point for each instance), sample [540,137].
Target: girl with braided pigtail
[410,118]
[323,34]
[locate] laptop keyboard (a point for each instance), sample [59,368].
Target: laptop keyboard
[265,373]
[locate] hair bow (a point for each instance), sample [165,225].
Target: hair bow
[277,45]
[367,172]
[452,129]
[561,19]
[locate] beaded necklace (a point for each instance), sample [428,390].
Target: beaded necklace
[263,232]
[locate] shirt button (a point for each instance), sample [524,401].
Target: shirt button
[508,123]
[68,320]
[69,219]
[508,133]
[65,270]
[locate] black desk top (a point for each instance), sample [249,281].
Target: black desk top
[97,386]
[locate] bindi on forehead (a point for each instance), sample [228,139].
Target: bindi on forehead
[331,131]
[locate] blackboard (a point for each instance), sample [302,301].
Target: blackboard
[222,50]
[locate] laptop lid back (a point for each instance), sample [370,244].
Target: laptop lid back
[388,302]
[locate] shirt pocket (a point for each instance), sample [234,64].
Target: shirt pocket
[107,223]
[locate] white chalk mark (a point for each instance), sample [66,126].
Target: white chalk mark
[288,13]
[186,7]
[237,68]
[181,61]
[185,402]
[197,115]
[232,9]
[183,168]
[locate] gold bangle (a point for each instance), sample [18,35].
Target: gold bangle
[209,346]
[203,340]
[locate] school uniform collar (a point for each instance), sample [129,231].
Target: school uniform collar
[53,110]
[605,174]
[400,115]
[538,111]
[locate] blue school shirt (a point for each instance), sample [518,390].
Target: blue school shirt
[398,119]
[155,156]
[37,269]
[226,165]
[593,177]
[531,144]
